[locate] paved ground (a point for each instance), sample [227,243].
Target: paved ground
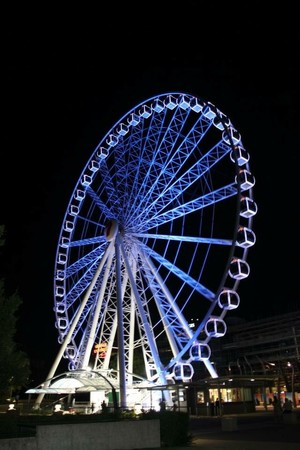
[257,431]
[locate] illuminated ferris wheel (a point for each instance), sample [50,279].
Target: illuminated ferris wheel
[154,243]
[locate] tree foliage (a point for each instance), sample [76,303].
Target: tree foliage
[14,363]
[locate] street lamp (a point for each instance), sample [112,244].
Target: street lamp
[293,375]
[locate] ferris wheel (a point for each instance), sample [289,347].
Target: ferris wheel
[154,242]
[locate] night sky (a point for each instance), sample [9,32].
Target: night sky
[65,82]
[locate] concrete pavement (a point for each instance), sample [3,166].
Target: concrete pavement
[257,431]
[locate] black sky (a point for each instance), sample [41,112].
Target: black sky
[66,81]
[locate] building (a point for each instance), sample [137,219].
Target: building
[254,361]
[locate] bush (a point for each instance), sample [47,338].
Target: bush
[174,427]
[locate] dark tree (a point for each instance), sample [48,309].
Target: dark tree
[14,363]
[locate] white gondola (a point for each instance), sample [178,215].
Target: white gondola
[69,226]
[62,258]
[102,152]
[59,291]
[112,140]
[171,102]
[122,129]
[184,102]
[65,242]
[70,351]
[86,180]
[74,210]
[145,111]
[240,155]
[248,207]
[221,121]
[196,104]
[215,327]
[60,275]
[62,324]
[239,269]
[94,166]
[133,119]
[157,105]
[60,307]
[228,299]
[209,111]
[245,237]
[200,352]
[247,180]
[183,372]
[231,136]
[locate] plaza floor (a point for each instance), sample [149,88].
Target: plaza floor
[257,431]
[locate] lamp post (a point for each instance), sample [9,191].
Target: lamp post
[293,376]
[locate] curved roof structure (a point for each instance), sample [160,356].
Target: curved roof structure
[74,381]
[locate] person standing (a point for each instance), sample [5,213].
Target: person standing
[277,409]
[104,407]
[287,406]
[162,405]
